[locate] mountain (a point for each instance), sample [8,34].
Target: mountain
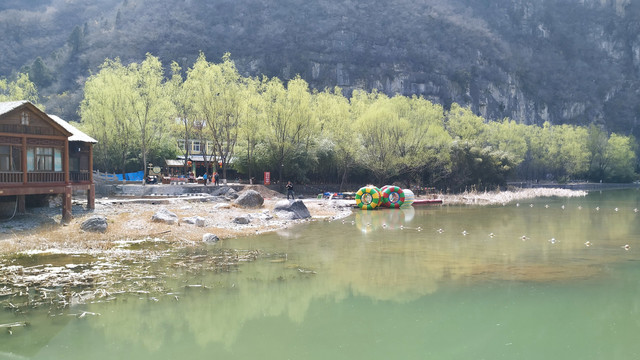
[563,61]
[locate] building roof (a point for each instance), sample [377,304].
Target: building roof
[8,106]
[174,162]
[77,135]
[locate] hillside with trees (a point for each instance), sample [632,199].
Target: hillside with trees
[562,61]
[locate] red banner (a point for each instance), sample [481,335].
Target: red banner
[267,178]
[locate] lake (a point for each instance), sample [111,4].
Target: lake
[549,278]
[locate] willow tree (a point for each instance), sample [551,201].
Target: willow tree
[289,119]
[184,126]
[620,158]
[19,89]
[150,107]
[463,124]
[422,141]
[218,93]
[333,114]
[105,116]
[377,129]
[252,120]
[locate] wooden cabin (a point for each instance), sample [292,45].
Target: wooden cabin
[41,154]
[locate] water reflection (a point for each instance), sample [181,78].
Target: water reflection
[390,258]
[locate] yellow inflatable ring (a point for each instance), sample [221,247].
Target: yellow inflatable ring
[368,198]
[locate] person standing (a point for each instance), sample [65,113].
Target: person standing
[205,178]
[290,191]
[216,177]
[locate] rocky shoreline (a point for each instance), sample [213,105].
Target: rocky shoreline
[131,219]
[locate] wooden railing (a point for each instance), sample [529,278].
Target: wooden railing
[45,177]
[10,177]
[79,176]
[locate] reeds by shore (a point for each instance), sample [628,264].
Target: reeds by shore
[503,197]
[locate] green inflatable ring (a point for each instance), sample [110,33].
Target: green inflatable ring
[368,198]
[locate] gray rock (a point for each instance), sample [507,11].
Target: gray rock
[232,196]
[96,223]
[194,220]
[223,191]
[249,199]
[210,238]
[165,216]
[243,220]
[292,210]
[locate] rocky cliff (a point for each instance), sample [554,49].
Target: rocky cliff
[564,61]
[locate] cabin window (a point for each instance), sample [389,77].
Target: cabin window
[10,158]
[57,160]
[196,146]
[74,164]
[181,145]
[24,119]
[44,159]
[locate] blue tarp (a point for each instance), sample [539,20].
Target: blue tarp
[134,176]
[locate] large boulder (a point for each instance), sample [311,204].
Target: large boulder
[242,220]
[223,191]
[96,223]
[292,210]
[198,221]
[249,199]
[165,216]
[210,238]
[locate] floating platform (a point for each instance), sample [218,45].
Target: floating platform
[426,201]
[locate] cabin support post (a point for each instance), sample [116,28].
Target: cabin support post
[21,204]
[91,197]
[66,204]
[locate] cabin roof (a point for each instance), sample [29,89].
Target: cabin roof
[9,106]
[76,135]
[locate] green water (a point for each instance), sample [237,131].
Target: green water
[456,282]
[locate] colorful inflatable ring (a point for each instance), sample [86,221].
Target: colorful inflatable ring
[368,198]
[392,197]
